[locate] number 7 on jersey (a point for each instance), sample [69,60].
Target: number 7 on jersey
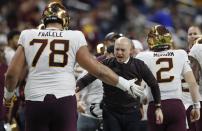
[54,51]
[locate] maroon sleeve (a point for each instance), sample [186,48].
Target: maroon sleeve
[84,81]
[151,81]
[3,69]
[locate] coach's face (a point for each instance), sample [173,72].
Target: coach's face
[122,49]
[192,35]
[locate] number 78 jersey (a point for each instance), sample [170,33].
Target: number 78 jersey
[51,57]
[168,67]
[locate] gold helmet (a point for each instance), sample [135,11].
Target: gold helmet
[55,12]
[159,38]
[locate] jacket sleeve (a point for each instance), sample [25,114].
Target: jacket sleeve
[151,81]
[84,81]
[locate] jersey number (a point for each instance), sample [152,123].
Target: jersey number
[54,51]
[165,69]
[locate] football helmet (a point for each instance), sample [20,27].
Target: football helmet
[159,38]
[56,12]
[112,36]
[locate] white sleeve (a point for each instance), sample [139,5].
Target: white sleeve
[140,56]
[193,51]
[9,55]
[21,40]
[81,39]
[186,66]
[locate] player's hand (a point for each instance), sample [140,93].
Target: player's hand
[135,90]
[195,114]
[80,107]
[8,103]
[159,116]
[77,89]
[144,100]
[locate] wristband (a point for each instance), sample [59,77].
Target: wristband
[158,106]
[197,105]
[8,95]
[123,84]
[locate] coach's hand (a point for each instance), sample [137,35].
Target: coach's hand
[80,107]
[159,116]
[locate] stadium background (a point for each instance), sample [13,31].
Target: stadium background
[96,18]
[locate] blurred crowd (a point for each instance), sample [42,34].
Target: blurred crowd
[96,18]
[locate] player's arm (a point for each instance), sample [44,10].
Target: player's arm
[193,86]
[195,67]
[102,72]
[86,60]
[151,81]
[191,81]
[84,81]
[194,91]
[14,72]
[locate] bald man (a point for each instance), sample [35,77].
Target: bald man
[121,112]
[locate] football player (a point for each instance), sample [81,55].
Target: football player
[50,55]
[195,55]
[192,35]
[168,65]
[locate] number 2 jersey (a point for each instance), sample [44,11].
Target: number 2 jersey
[51,57]
[168,67]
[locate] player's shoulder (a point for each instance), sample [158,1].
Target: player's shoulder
[144,55]
[137,61]
[180,52]
[29,31]
[196,47]
[25,31]
[78,32]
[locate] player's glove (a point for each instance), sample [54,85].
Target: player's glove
[9,98]
[9,103]
[135,90]
[130,86]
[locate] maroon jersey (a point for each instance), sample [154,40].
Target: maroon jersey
[3,69]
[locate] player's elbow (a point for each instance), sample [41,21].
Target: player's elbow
[193,87]
[101,72]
